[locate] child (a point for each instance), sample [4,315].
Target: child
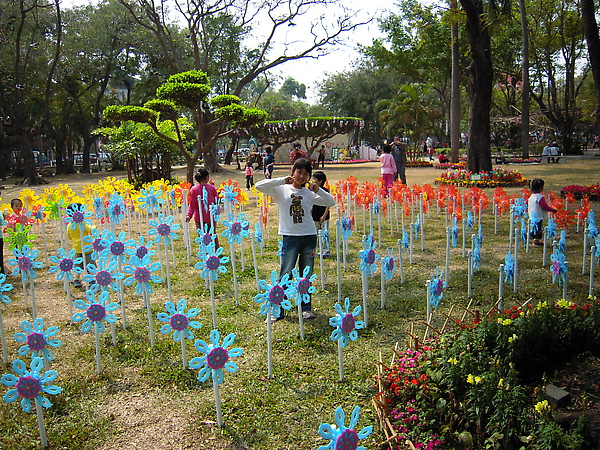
[249,175]
[320,214]
[2,225]
[203,194]
[269,162]
[388,168]
[18,215]
[294,202]
[75,234]
[536,206]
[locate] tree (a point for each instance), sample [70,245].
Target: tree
[189,91]
[312,130]
[292,88]
[590,29]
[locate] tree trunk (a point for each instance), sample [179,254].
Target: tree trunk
[480,77]
[525,87]
[590,29]
[455,97]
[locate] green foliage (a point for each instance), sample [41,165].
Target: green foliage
[224,100]
[230,112]
[191,76]
[252,117]
[116,113]
[185,94]
[309,126]
[165,107]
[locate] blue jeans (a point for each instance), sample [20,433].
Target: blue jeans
[301,249]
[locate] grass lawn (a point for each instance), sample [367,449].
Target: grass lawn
[144,399]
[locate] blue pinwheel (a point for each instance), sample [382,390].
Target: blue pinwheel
[598,247]
[345,323]
[477,240]
[523,234]
[215,211]
[470,219]
[103,275]
[235,229]
[416,225]
[95,243]
[535,224]
[405,239]
[77,217]
[163,229]
[551,229]
[98,204]
[116,246]
[140,271]
[149,200]
[66,264]
[368,256]
[25,263]
[178,320]
[258,236]
[139,248]
[205,238]
[4,287]
[347,226]
[216,357]
[342,438]
[388,267]
[30,384]
[519,207]
[36,340]
[280,247]
[301,286]
[274,297]
[509,267]
[116,208]
[454,232]
[211,262]
[562,242]
[590,222]
[95,311]
[558,267]
[436,288]
[228,194]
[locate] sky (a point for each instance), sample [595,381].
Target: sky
[309,71]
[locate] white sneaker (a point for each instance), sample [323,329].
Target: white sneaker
[306,315]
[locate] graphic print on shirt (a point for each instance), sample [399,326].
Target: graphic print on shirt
[296,211]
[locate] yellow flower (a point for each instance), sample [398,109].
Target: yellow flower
[29,198]
[543,407]
[453,360]
[500,383]
[542,305]
[506,322]
[512,338]
[562,303]
[474,380]
[478,380]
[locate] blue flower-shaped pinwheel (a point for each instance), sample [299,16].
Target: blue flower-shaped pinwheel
[95,311]
[535,223]
[95,243]
[551,229]
[368,256]
[139,248]
[216,358]
[4,287]
[477,250]
[228,194]
[116,246]
[150,200]
[416,226]
[519,207]
[436,288]
[235,229]
[104,275]
[523,232]
[347,227]
[215,211]
[590,222]
[301,286]
[598,247]
[345,323]
[178,321]
[558,267]
[342,438]
[509,267]
[454,232]
[141,270]
[274,297]
[405,239]
[470,219]
[205,238]
[388,267]
[77,217]
[211,262]
[66,264]
[37,340]
[258,236]
[98,204]
[116,208]
[24,262]
[30,384]
[163,229]
[376,207]
[562,242]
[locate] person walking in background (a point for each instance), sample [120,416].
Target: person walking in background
[388,168]
[400,158]
[296,227]
[321,157]
[249,175]
[269,162]
[536,205]
[202,196]
[320,214]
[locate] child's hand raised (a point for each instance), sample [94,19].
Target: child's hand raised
[313,187]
